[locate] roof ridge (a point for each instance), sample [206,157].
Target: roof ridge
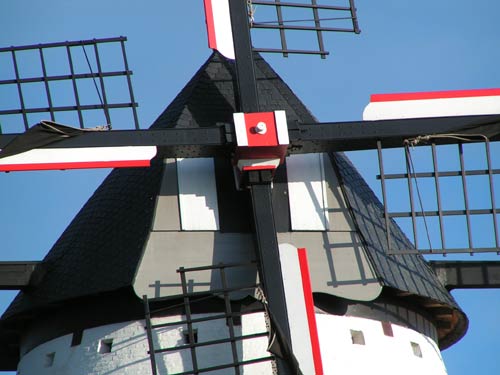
[203,80]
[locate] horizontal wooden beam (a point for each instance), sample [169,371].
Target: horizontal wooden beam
[171,142]
[468,274]
[363,135]
[219,140]
[16,275]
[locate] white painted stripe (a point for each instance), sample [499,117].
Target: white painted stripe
[463,106]
[83,154]
[222,28]
[296,307]
[240,129]
[197,194]
[281,127]
[307,192]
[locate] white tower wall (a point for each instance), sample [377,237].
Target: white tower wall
[349,346]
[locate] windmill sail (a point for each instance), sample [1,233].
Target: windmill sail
[218,20]
[479,111]
[26,153]
[433,104]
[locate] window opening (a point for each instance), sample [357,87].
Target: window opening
[357,337]
[105,346]
[185,335]
[416,349]
[77,338]
[387,327]
[49,359]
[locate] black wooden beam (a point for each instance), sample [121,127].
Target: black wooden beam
[193,142]
[265,233]
[363,135]
[245,69]
[16,275]
[260,187]
[304,138]
[468,274]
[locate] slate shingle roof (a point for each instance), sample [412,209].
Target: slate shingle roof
[404,272]
[102,247]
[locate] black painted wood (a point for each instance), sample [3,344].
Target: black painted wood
[16,275]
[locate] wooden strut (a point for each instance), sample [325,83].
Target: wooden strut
[259,182]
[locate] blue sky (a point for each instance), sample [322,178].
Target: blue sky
[404,46]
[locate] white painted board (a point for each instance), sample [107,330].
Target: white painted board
[307,192]
[296,307]
[197,194]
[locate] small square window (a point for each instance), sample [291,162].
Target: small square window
[416,349]
[387,327]
[185,336]
[357,337]
[236,318]
[49,359]
[105,346]
[76,339]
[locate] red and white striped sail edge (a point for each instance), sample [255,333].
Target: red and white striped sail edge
[433,104]
[220,33]
[78,158]
[300,308]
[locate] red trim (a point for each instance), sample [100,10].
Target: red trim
[270,138]
[258,167]
[433,95]
[311,316]
[209,17]
[75,165]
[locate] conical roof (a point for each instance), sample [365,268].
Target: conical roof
[101,249]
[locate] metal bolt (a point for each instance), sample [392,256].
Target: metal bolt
[261,128]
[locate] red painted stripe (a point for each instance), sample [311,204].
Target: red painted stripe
[311,316]
[258,167]
[209,17]
[433,95]
[75,165]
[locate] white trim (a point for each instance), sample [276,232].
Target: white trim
[198,203]
[222,27]
[240,129]
[79,158]
[83,154]
[307,192]
[464,106]
[296,307]
[281,127]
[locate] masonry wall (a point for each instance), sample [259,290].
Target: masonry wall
[349,345]
[123,349]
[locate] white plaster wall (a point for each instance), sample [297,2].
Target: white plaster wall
[381,354]
[129,354]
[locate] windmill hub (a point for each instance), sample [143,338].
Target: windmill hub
[262,142]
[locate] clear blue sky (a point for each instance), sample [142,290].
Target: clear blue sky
[404,46]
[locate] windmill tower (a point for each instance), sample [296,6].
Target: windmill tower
[150,201]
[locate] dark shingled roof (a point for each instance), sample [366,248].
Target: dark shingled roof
[101,249]
[404,272]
